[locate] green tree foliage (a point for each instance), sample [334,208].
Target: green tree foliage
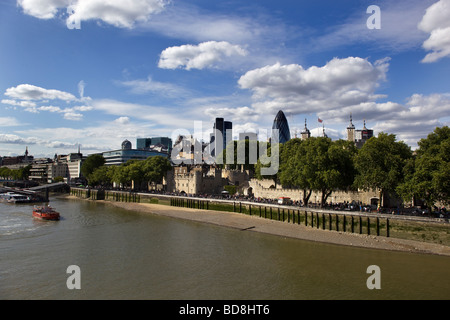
[428,175]
[137,172]
[101,176]
[380,164]
[91,163]
[317,164]
[15,174]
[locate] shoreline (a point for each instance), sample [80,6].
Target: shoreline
[278,228]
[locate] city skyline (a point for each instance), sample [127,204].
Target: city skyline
[158,66]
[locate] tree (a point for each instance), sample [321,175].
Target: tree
[294,171]
[5,173]
[155,169]
[380,162]
[317,164]
[428,176]
[101,176]
[91,163]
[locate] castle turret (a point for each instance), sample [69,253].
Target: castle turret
[306,134]
[351,130]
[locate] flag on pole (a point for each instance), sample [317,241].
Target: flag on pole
[320,120]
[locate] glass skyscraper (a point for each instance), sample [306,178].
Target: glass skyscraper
[220,128]
[282,125]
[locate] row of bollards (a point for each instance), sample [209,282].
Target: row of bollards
[361,222]
[326,221]
[189,203]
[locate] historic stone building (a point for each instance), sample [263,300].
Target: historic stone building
[204,179]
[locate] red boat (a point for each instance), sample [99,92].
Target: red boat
[45,213]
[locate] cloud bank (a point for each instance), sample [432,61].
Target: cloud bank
[203,55]
[436,22]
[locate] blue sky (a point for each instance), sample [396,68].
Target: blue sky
[84,72]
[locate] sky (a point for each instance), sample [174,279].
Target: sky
[93,73]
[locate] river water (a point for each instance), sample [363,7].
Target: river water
[128,255]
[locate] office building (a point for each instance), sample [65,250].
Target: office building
[221,129]
[117,157]
[280,123]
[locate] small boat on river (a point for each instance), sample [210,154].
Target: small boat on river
[12,197]
[45,213]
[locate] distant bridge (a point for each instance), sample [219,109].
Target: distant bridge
[39,193]
[51,186]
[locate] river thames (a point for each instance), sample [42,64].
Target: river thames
[130,255]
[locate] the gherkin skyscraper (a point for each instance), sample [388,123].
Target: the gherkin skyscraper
[282,125]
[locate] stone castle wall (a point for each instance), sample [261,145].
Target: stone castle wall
[267,189]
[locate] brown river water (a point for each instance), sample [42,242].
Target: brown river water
[129,255]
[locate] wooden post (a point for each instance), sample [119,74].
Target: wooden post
[323,221]
[378,226]
[306,218]
[329,220]
[240,207]
[387,227]
[337,223]
[344,223]
[353,225]
[250,209]
[317,220]
[360,225]
[368,225]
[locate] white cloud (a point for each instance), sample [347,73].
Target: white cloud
[122,120]
[25,104]
[31,92]
[149,85]
[154,115]
[411,121]
[436,22]
[73,116]
[203,55]
[9,122]
[186,21]
[15,139]
[43,9]
[82,108]
[341,82]
[233,114]
[81,86]
[50,109]
[33,97]
[119,13]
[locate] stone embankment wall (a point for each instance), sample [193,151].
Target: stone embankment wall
[267,189]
